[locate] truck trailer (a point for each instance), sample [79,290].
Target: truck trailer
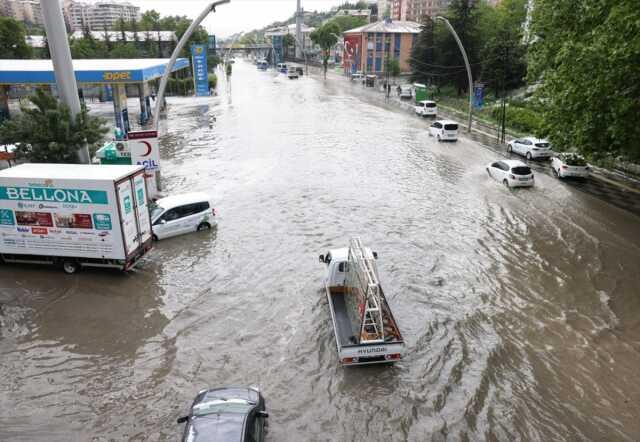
[73,215]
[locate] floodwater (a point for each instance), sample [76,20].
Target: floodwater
[520,309]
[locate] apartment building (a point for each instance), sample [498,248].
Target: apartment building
[22,10]
[416,10]
[98,16]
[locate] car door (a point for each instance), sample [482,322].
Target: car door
[189,218]
[526,147]
[494,170]
[167,225]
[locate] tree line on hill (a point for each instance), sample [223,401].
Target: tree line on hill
[581,58]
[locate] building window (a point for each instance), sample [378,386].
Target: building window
[378,64]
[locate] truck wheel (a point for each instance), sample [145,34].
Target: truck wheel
[70,266]
[154,237]
[203,226]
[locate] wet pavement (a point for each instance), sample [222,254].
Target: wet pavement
[520,309]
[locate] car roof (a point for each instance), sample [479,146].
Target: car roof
[426,101]
[514,163]
[535,140]
[446,121]
[183,198]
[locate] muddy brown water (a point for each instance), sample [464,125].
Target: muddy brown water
[520,309]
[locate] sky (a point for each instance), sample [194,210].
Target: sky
[239,15]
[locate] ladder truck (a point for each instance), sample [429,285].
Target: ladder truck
[365,330]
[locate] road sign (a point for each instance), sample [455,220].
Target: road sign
[200,74]
[145,149]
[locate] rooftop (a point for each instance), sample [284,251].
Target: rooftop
[389,27]
[68,171]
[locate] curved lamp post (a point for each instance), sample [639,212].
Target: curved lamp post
[466,63]
[176,52]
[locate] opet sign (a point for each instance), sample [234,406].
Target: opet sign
[116,76]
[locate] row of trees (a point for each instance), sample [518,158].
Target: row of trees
[583,57]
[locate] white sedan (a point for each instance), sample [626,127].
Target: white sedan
[511,173]
[530,147]
[566,165]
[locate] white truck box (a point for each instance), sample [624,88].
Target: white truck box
[74,215]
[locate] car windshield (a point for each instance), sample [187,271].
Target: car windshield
[521,170]
[574,160]
[450,127]
[430,105]
[222,406]
[155,210]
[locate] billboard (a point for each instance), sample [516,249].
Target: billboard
[200,74]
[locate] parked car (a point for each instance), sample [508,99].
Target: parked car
[511,173]
[282,67]
[405,91]
[569,164]
[179,214]
[370,80]
[235,414]
[444,130]
[292,73]
[300,71]
[531,148]
[426,108]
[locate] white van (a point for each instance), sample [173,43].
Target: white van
[179,214]
[282,67]
[444,130]
[426,108]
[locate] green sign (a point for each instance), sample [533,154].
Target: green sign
[102,221]
[50,194]
[6,217]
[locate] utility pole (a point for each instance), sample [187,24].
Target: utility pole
[299,17]
[62,63]
[503,120]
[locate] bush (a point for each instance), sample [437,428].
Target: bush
[520,118]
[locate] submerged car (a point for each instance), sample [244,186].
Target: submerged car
[511,173]
[227,414]
[444,130]
[531,148]
[568,164]
[179,214]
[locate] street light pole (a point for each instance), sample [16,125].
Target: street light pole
[62,63]
[466,63]
[176,52]
[304,53]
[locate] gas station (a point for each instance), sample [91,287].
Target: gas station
[112,75]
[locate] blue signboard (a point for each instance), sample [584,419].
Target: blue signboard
[200,74]
[478,100]
[277,42]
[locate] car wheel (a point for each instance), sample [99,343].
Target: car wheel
[154,237]
[439,138]
[529,156]
[203,226]
[555,172]
[506,183]
[70,266]
[509,148]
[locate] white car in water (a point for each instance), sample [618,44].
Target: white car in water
[531,148]
[179,214]
[570,164]
[444,130]
[511,173]
[426,108]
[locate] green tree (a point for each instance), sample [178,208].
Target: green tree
[348,22]
[586,54]
[150,20]
[124,50]
[288,42]
[12,39]
[47,133]
[326,36]
[392,66]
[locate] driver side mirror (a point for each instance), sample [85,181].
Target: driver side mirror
[182,419]
[321,258]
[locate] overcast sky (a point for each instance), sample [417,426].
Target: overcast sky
[239,15]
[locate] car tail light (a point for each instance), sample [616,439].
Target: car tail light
[512,177]
[349,360]
[564,167]
[393,357]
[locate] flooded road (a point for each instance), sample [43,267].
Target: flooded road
[520,309]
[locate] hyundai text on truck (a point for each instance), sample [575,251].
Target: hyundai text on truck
[365,330]
[74,215]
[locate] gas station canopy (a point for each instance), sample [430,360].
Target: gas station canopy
[13,72]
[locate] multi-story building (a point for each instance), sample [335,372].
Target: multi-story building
[368,47]
[417,10]
[100,15]
[22,10]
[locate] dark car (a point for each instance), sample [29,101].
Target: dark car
[226,414]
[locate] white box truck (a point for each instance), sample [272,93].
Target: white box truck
[74,215]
